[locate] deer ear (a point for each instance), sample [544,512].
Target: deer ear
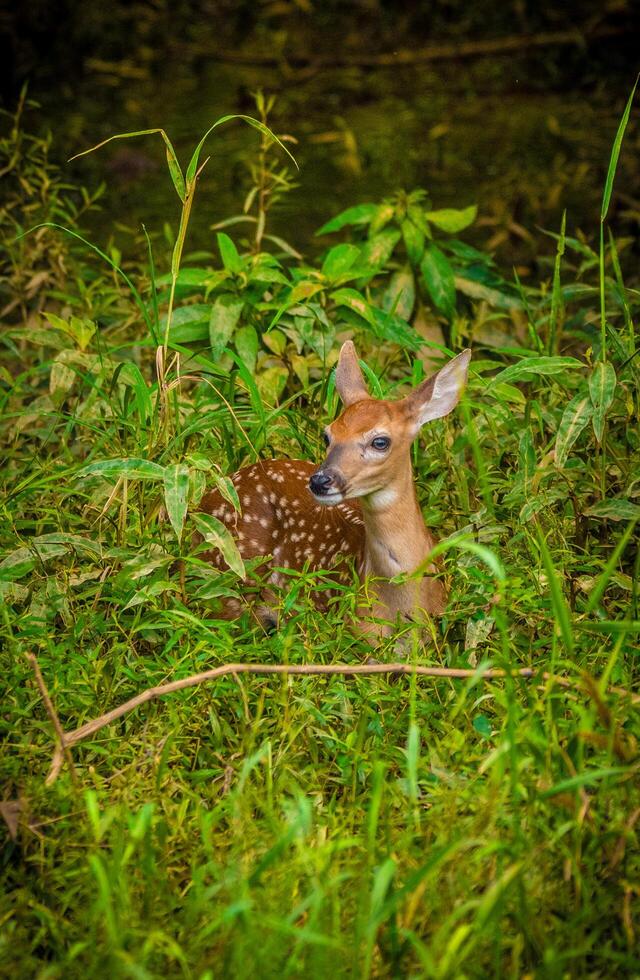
[438,395]
[349,381]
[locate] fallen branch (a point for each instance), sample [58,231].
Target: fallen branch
[67,739]
[63,746]
[416,56]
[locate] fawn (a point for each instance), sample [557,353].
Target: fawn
[360,503]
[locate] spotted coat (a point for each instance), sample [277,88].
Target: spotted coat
[280,518]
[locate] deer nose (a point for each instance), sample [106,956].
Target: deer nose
[320,483]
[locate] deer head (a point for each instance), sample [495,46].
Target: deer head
[369,444]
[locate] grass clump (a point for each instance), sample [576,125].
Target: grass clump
[314,826]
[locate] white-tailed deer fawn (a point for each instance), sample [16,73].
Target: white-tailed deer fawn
[360,503]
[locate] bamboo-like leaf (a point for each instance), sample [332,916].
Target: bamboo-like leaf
[618,509]
[215,533]
[172,160]
[557,306]
[558,601]
[532,367]
[615,153]
[132,468]
[195,159]
[602,389]
[176,495]
[574,419]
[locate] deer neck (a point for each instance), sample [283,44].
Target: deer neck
[396,539]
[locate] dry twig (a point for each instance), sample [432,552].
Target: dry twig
[306,670]
[63,745]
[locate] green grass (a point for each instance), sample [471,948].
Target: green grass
[314,826]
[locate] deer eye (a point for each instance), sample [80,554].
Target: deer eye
[381,443]
[325,438]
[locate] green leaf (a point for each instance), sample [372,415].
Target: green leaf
[223,320]
[386,326]
[361,214]
[602,389]
[382,217]
[339,261]
[193,163]
[188,323]
[130,468]
[559,605]
[495,297]
[130,374]
[81,330]
[400,295]
[413,240]
[271,383]
[532,367]
[378,250]
[229,254]
[557,307]
[172,160]
[615,510]
[355,301]
[615,153]
[575,417]
[176,495]
[482,725]
[215,533]
[275,340]
[453,220]
[42,548]
[246,343]
[439,280]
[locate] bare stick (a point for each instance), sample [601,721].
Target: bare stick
[63,746]
[434,52]
[306,670]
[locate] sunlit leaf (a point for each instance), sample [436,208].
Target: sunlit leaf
[437,275]
[361,214]
[246,342]
[131,468]
[172,160]
[602,389]
[225,314]
[400,295]
[377,250]
[532,367]
[218,535]
[195,159]
[575,417]
[453,220]
[413,240]
[339,260]
[176,495]
[615,510]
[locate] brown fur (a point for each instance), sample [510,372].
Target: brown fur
[376,520]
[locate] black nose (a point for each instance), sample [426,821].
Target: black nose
[320,483]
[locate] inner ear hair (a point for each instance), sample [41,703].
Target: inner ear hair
[439,394]
[350,383]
